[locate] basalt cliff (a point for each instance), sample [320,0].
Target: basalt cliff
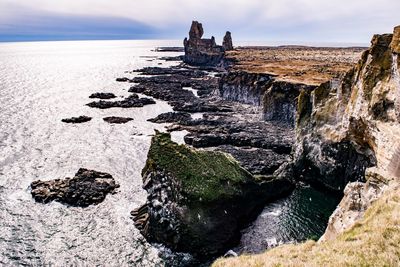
[348,138]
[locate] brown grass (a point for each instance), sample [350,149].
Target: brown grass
[374,241]
[308,65]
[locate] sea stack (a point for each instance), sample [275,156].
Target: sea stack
[227,42]
[204,52]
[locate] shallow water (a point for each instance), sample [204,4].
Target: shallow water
[44,82]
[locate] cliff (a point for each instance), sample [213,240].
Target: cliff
[276,99]
[349,131]
[199,200]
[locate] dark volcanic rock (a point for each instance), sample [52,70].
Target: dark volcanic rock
[102,95]
[227,42]
[200,51]
[199,200]
[79,119]
[132,101]
[258,161]
[86,188]
[169,117]
[118,120]
[124,79]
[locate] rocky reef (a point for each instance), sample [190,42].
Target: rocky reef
[199,200]
[80,119]
[204,52]
[87,187]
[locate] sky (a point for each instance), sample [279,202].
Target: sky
[285,21]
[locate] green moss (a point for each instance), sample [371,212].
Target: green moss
[203,175]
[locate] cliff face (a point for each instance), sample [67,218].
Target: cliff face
[349,130]
[277,99]
[344,128]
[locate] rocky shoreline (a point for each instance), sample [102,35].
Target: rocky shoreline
[251,137]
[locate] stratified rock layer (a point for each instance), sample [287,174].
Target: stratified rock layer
[87,187]
[346,127]
[198,200]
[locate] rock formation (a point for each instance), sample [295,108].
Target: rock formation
[80,119]
[87,187]
[346,128]
[227,42]
[204,52]
[199,200]
[117,120]
[278,99]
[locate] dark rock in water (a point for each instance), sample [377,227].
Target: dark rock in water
[172,117]
[169,49]
[79,119]
[199,51]
[124,79]
[118,120]
[187,73]
[227,42]
[102,95]
[132,101]
[86,188]
[199,200]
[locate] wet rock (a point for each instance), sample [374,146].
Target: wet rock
[124,79]
[227,42]
[199,200]
[102,95]
[117,120]
[80,119]
[172,117]
[132,101]
[87,187]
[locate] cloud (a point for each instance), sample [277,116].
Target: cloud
[304,19]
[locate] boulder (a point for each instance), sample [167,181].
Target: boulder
[87,187]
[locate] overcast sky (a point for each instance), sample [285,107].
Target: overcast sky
[292,21]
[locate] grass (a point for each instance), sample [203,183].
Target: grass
[203,175]
[374,241]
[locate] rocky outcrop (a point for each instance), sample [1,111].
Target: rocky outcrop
[102,95]
[87,187]
[117,120]
[349,131]
[200,51]
[199,200]
[348,126]
[132,101]
[227,42]
[277,99]
[358,197]
[80,119]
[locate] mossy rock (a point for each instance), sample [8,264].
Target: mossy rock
[203,175]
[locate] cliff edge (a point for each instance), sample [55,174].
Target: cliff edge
[348,138]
